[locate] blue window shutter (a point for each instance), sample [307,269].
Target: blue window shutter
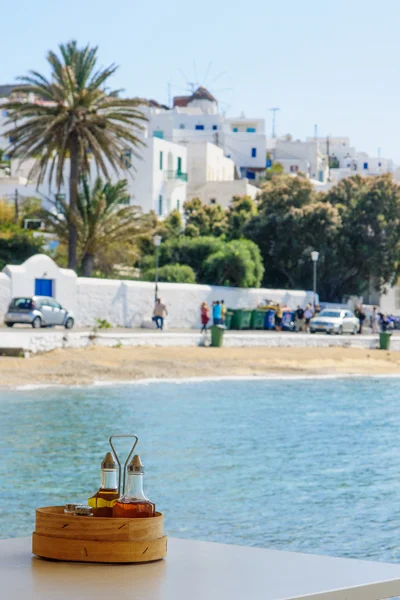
[235,130]
[44,287]
[158,134]
[161,161]
[251,130]
[254,152]
[215,127]
[250,175]
[199,127]
[160,206]
[365,165]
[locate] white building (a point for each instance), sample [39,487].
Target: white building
[228,151]
[157,181]
[211,176]
[301,157]
[195,119]
[345,160]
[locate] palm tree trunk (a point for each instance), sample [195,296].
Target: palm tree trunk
[87,264]
[73,199]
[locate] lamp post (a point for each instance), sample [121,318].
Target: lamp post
[157,241]
[314,258]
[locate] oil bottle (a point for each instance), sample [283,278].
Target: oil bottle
[134,503]
[103,501]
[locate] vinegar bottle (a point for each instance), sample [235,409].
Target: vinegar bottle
[103,501]
[134,503]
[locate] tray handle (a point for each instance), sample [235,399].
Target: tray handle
[133,436]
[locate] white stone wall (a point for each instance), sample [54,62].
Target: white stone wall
[44,340]
[130,303]
[5,294]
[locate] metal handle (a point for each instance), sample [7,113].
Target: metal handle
[135,437]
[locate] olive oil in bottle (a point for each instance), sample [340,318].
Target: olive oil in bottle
[103,501]
[134,503]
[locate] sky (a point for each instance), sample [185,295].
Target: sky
[332,64]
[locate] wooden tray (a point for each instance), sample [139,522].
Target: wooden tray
[62,536]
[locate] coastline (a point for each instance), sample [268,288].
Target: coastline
[143,365]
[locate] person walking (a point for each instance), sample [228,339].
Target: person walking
[308,315]
[205,316]
[159,314]
[361,316]
[217,312]
[299,319]
[223,312]
[278,317]
[374,320]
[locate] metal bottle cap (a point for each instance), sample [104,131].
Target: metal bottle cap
[109,462]
[82,510]
[136,465]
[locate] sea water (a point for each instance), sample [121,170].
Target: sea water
[308,465]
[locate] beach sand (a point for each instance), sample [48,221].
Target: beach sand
[96,364]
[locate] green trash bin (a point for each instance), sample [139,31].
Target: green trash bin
[384,340]
[228,319]
[257,319]
[217,336]
[241,319]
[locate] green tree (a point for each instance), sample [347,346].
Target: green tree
[107,225]
[203,219]
[369,245]
[77,120]
[292,221]
[17,245]
[238,214]
[171,274]
[237,264]
[171,226]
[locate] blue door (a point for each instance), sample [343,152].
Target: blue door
[44,287]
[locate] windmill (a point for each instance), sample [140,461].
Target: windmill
[208,81]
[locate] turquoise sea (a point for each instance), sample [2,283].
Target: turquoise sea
[308,465]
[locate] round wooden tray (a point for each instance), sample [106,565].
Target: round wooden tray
[62,536]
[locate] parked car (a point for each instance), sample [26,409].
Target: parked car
[335,321]
[38,311]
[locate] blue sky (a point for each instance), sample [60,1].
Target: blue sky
[335,64]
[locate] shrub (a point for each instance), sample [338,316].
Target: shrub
[190,251]
[237,264]
[171,274]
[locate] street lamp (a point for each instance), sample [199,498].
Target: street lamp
[157,241]
[314,258]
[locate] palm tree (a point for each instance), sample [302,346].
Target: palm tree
[72,118]
[105,221]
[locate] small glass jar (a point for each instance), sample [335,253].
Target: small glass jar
[70,509]
[83,511]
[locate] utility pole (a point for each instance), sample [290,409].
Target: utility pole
[16,208]
[274,111]
[329,159]
[169,95]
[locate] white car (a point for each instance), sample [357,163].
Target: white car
[335,321]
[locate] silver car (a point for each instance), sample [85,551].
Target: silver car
[38,311]
[337,321]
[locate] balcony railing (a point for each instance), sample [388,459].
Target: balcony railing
[176,176]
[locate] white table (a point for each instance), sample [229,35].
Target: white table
[196,571]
